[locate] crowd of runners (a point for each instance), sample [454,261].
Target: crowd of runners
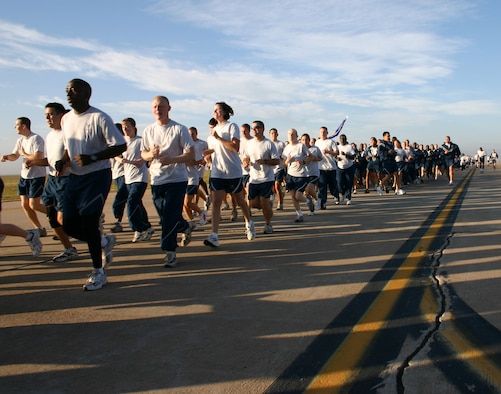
[249,170]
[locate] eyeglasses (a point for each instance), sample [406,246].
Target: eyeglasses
[257,128]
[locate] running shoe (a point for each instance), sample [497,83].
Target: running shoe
[96,280]
[42,232]
[203,218]
[67,254]
[250,231]
[212,241]
[117,228]
[33,240]
[147,234]
[268,229]
[107,253]
[170,260]
[138,236]
[309,203]
[186,235]
[299,219]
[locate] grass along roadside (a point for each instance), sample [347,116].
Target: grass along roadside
[10,189]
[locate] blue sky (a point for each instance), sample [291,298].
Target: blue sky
[422,69]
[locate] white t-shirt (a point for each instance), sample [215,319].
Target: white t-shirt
[133,173]
[312,166]
[328,162]
[345,163]
[280,145]
[200,146]
[226,164]
[260,150]
[89,133]
[298,153]
[55,150]
[172,139]
[117,168]
[31,144]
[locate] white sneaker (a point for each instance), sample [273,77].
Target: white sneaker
[170,260]
[96,280]
[33,240]
[400,192]
[211,240]
[318,205]
[186,235]
[299,219]
[379,190]
[309,204]
[203,218]
[147,234]
[348,202]
[450,183]
[207,203]
[250,231]
[268,229]
[67,254]
[107,254]
[138,236]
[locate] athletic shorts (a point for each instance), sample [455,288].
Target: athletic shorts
[234,185]
[373,166]
[296,183]
[53,193]
[388,167]
[263,190]
[280,175]
[191,190]
[313,179]
[448,162]
[32,188]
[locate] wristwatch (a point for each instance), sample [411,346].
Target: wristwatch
[93,158]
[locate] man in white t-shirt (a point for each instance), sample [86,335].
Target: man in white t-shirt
[168,146]
[328,167]
[279,170]
[260,157]
[53,194]
[91,138]
[29,146]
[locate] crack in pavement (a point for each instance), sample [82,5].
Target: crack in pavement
[435,265]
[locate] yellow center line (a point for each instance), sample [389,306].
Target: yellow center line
[340,370]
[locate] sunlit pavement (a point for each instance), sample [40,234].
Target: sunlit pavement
[390,294]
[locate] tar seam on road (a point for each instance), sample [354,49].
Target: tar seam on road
[341,368]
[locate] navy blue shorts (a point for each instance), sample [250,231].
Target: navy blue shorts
[388,167]
[296,183]
[53,193]
[280,175]
[192,190]
[32,188]
[264,190]
[234,185]
[86,194]
[313,179]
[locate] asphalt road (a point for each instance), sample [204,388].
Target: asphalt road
[392,294]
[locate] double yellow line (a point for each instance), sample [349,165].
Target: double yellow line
[341,369]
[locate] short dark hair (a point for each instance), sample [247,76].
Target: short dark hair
[58,107]
[26,121]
